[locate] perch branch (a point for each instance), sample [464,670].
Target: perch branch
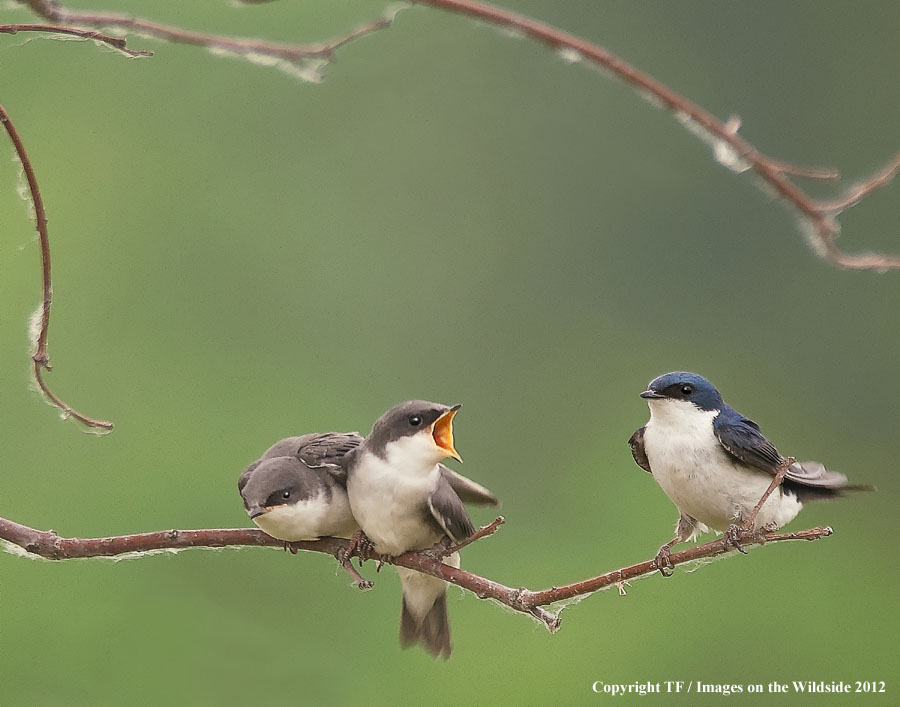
[41,358]
[115,42]
[49,545]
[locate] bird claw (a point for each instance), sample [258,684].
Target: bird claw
[663,561]
[733,536]
[288,547]
[344,561]
[361,547]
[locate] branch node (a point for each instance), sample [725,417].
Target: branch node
[550,620]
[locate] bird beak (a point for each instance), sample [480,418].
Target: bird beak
[650,395]
[256,511]
[442,433]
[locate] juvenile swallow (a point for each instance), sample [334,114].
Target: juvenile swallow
[715,464]
[297,489]
[404,502]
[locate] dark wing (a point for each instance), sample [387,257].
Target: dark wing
[449,512]
[328,449]
[467,490]
[742,439]
[636,442]
[318,451]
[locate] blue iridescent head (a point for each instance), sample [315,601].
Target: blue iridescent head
[681,385]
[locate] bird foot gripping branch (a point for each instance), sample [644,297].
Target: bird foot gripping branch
[735,535]
[362,548]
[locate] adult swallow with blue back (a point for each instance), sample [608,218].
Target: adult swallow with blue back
[403,502]
[715,464]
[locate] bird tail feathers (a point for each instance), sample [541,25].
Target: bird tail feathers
[432,632]
[423,615]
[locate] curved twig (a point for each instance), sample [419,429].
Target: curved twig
[49,545]
[242,46]
[41,358]
[118,43]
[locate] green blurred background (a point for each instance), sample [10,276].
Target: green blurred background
[461,216]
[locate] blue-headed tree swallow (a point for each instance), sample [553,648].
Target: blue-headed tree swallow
[404,502]
[715,465]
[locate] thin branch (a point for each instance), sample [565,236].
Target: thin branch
[828,173]
[49,545]
[853,195]
[729,148]
[41,358]
[294,53]
[818,217]
[780,471]
[482,532]
[115,42]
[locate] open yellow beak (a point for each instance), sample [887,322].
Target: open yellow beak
[442,433]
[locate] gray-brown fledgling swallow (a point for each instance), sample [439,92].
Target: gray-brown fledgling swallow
[297,489]
[403,501]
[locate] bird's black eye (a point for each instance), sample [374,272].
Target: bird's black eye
[687,389]
[415,420]
[285,494]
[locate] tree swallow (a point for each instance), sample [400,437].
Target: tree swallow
[715,465]
[403,501]
[297,489]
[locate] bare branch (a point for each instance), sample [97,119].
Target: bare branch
[115,42]
[855,194]
[795,170]
[40,357]
[49,545]
[729,149]
[482,532]
[292,53]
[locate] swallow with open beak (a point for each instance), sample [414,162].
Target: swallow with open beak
[403,502]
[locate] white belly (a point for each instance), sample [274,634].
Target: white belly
[308,520]
[701,479]
[390,505]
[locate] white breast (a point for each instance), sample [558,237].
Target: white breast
[311,519]
[388,496]
[699,477]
